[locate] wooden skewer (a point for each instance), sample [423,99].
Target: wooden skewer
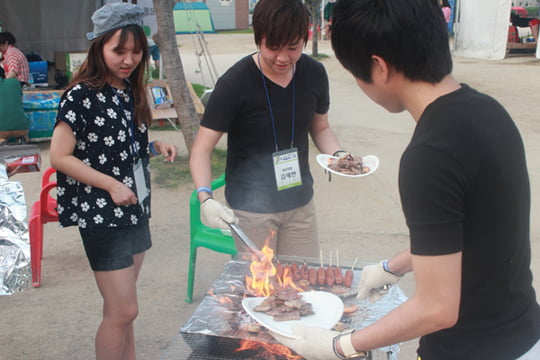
[354,263]
[321,273]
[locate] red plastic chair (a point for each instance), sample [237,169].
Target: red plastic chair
[43,211]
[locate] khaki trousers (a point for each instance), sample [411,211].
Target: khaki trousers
[292,232]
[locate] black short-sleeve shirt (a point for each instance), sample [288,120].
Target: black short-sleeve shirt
[464,187]
[239,106]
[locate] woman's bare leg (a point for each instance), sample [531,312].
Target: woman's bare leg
[115,335]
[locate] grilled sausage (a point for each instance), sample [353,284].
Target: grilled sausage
[338,275]
[312,273]
[347,281]
[304,271]
[321,276]
[295,272]
[330,279]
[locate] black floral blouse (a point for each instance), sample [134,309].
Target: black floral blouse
[108,141]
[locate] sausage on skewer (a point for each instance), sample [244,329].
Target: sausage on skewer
[304,272]
[295,272]
[338,275]
[330,279]
[321,273]
[347,281]
[312,273]
[321,276]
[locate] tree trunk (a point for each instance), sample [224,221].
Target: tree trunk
[315,38]
[174,71]
[314,7]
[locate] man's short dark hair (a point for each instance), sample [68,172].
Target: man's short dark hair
[7,37]
[280,21]
[409,35]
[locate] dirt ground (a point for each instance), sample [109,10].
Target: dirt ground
[359,217]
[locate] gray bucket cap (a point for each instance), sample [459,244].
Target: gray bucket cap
[115,16]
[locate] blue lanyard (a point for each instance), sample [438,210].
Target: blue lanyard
[270,104]
[132,133]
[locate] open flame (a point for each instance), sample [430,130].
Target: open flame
[263,272]
[263,280]
[275,349]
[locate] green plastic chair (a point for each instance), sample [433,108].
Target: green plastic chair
[207,237]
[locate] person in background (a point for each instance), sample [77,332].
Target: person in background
[465,194]
[13,60]
[101,151]
[13,121]
[268,103]
[328,14]
[153,49]
[446,10]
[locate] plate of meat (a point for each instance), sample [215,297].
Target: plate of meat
[278,313]
[349,165]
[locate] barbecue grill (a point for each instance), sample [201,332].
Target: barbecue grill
[219,325]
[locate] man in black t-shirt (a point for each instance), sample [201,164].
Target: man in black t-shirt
[269,104]
[465,194]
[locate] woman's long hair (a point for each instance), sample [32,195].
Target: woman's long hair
[93,71]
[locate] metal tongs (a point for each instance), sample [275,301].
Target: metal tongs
[246,240]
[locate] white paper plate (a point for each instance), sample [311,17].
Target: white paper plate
[371,161]
[328,309]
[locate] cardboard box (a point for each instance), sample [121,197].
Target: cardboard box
[73,62]
[159,95]
[69,62]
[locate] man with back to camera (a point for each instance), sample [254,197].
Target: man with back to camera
[465,194]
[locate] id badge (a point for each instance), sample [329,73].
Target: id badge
[287,169]
[140,182]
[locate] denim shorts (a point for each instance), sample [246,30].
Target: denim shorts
[113,248]
[153,51]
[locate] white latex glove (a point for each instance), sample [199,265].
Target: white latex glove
[313,343]
[216,215]
[373,280]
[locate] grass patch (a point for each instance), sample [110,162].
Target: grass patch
[172,175]
[165,127]
[239,31]
[199,89]
[319,57]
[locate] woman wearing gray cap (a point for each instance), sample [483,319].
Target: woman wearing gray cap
[101,151]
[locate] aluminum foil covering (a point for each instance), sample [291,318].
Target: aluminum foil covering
[220,313]
[15,271]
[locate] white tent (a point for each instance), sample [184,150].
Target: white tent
[481,28]
[538,49]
